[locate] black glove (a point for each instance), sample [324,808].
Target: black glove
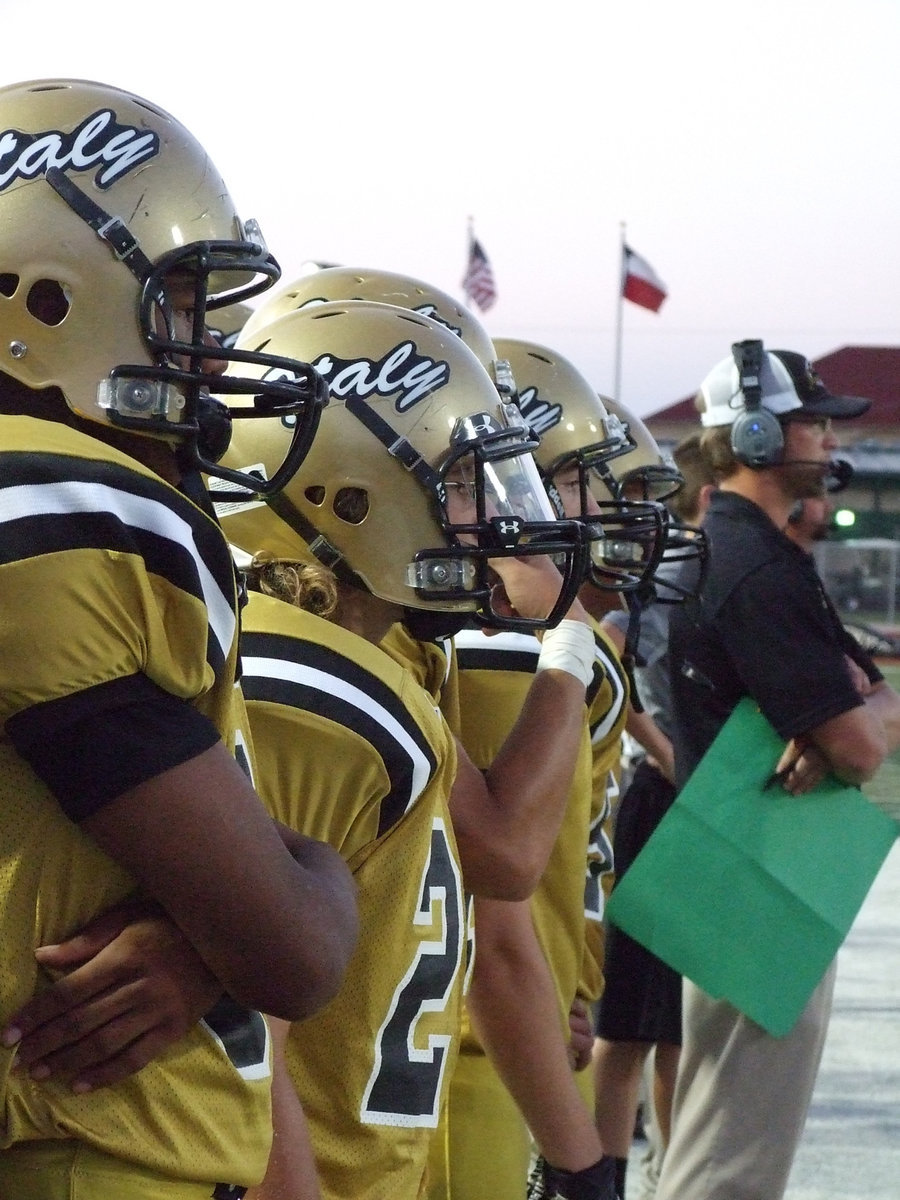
[593,1183]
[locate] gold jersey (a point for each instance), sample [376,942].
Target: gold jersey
[434,666]
[351,750]
[109,574]
[606,721]
[495,674]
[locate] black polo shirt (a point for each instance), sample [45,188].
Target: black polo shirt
[763,627]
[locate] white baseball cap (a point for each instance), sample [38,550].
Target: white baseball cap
[788,384]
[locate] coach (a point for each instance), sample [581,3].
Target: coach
[763,628]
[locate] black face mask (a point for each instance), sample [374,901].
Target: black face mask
[432,625]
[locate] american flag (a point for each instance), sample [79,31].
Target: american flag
[478,281]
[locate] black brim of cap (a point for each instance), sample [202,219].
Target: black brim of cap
[841,408]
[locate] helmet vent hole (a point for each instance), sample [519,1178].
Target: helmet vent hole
[315,495]
[351,504]
[47,302]
[8,284]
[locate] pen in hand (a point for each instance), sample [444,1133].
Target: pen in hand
[780,776]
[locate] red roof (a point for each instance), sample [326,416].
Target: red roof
[870,371]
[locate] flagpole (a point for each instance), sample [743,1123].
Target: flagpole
[617,385]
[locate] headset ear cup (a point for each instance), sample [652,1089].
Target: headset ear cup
[757,439]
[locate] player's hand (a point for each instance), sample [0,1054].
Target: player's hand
[581,1035]
[593,1183]
[131,986]
[529,587]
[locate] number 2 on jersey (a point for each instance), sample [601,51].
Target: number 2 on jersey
[405,1085]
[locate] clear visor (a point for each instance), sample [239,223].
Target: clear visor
[495,508]
[477,491]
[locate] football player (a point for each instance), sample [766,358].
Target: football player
[640,1010]
[385,287]
[118,645]
[529,966]
[570,1131]
[420,495]
[420,642]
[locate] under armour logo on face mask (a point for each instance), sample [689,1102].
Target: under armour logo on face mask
[508,529]
[474,427]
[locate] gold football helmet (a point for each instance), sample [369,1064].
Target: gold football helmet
[643,471]
[387,287]
[578,438]
[117,237]
[418,476]
[640,470]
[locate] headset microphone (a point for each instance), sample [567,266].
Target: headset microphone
[757,439]
[836,472]
[839,474]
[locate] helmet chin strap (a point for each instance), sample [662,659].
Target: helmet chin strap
[319,546]
[397,446]
[109,229]
[434,625]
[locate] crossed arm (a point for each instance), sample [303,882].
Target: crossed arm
[851,746]
[228,902]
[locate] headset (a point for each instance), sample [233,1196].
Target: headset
[757,439]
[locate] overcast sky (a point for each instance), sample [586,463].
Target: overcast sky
[751,149]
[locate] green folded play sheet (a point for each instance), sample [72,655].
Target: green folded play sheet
[750,893]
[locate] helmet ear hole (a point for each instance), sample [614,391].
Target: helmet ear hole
[47,302]
[315,495]
[351,504]
[8,284]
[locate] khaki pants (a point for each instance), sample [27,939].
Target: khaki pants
[741,1099]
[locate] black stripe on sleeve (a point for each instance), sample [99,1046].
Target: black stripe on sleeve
[91,747]
[488,658]
[606,665]
[101,521]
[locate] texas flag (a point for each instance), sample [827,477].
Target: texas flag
[640,283]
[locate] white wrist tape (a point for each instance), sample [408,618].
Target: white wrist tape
[569,647]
